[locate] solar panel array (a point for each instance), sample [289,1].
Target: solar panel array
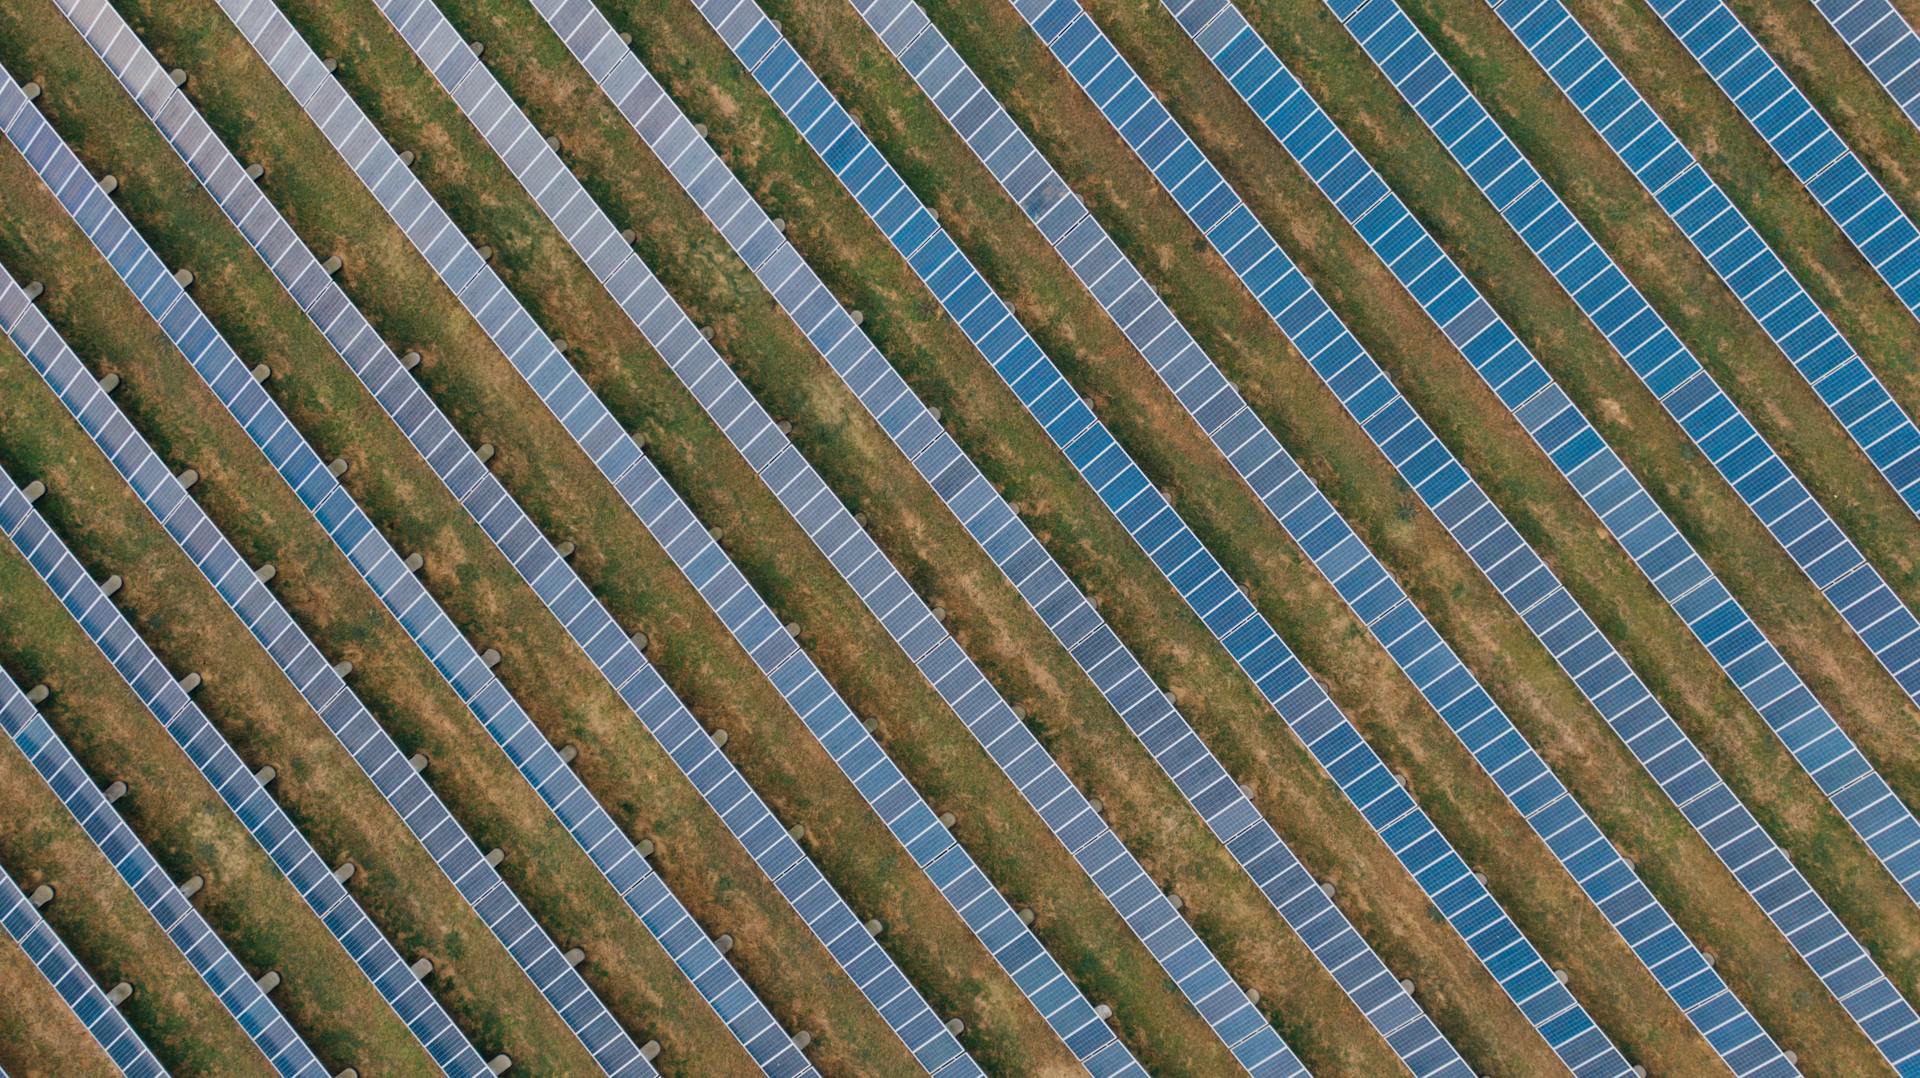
[993,523]
[190,729]
[1444,486]
[1311,520]
[1804,141]
[189,932]
[1655,353]
[592,827]
[1882,39]
[1183,560]
[1740,258]
[76,987]
[1066,811]
[919,830]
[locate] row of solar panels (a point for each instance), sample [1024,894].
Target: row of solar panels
[1691,396]
[1566,630]
[237,786]
[456,659]
[74,985]
[1193,571]
[760,633]
[1312,521]
[1803,139]
[1737,254]
[1881,38]
[804,494]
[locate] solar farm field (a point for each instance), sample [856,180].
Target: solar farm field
[871,537]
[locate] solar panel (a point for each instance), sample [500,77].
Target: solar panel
[457,661]
[1742,259]
[1248,637]
[920,831]
[189,933]
[49,954]
[1120,877]
[1883,40]
[1692,397]
[215,759]
[1311,520]
[1569,634]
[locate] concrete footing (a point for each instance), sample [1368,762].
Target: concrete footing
[337,467]
[802,1039]
[265,774]
[422,967]
[41,896]
[115,791]
[484,453]
[109,382]
[948,819]
[720,738]
[38,694]
[415,561]
[575,956]
[111,585]
[188,478]
[255,171]
[266,573]
[190,682]
[499,1064]
[495,856]
[568,753]
[490,658]
[109,184]
[797,832]
[418,761]
[119,993]
[345,871]
[268,981]
[410,360]
[723,943]
[650,1051]
[183,278]
[192,886]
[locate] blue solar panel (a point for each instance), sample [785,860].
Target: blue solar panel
[792,671]
[215,759]
[1743,457]
[1301,509]
[75,986]
[833,529]
[190,934]
[1883,40]
[1165,537]
[1523,578]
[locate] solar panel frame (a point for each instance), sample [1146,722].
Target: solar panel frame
[1309,518]
[1450,492]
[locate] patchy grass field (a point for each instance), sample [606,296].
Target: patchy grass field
[344,1018]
